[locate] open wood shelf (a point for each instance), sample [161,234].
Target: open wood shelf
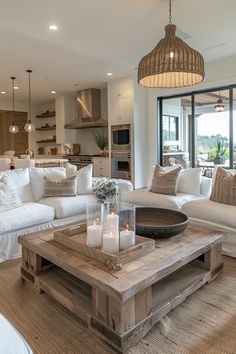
[49,128]
[68,290]
[51,114]
[46,141]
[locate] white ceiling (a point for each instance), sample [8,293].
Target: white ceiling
[99,36]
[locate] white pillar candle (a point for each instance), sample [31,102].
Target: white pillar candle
[112,223]
[94,235]
[110,243]
[127,239]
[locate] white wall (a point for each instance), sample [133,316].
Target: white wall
[140,129]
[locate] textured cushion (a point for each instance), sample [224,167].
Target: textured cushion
[37,178]
[165,182]
[27,215]
[224,189]
[84,180]
[142,197]
[21,180]
[190,181]
[65,187]
[8,195]
[69,206]
[206,209]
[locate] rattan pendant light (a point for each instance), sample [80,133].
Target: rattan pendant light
[172,63]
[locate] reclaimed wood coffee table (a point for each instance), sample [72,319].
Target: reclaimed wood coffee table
[121,306]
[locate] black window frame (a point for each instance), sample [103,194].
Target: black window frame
[193,145]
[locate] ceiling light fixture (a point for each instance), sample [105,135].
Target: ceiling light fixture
[29,127]
[53,27]
[53,91]
[219,107]
[16,87]
[13,127]
[109,74]
[3,92]
[172,63]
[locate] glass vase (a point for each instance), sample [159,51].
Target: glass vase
[118,226]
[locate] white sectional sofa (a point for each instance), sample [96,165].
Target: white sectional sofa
[188,190]
[38,213]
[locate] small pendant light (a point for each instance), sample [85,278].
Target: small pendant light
[13,127]
[29,127]
[172,63]
[219,107]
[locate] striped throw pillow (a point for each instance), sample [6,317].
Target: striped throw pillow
[65,187]
[9,198]
[224,189]
[165,182]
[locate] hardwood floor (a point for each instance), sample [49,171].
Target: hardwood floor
[204,323]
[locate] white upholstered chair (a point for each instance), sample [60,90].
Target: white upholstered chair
[5,164]
[24,163]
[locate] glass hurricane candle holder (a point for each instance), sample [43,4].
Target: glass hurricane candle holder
[118,227]
[94,227]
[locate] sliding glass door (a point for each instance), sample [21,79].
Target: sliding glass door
[199,129]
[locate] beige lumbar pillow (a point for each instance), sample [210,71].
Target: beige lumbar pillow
[165,182]
[65,187]
[224,189]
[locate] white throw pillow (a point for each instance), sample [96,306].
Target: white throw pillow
[20,179]
[70,170]
[84,180]
[190,181]
[37,178]
[9,198]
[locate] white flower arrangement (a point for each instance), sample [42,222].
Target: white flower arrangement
[106,190]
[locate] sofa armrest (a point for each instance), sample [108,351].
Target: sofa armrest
[205,187]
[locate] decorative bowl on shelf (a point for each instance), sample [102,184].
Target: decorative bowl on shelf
[159,223]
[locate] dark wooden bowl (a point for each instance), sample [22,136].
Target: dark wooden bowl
[160,223]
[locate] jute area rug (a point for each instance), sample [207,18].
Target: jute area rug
[204,323]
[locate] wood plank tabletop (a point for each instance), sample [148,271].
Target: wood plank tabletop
[169,255]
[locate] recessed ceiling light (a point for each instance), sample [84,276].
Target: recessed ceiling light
[3,92]
[53,27]
[109,74]
[53,91]
[76,85]
[16,87]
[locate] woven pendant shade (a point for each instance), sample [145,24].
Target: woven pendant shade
[172,63]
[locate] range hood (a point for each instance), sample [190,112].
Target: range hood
[89,110]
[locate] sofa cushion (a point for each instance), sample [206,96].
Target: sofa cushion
[21,180]
[190,181]
[27,215]
[65,187]
[142,197]
[37,178]
[8,195]
[84,180]
[165,182]
[68,206]
[224,188]
[206,209]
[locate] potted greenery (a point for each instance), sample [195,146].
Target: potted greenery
[101,141]
[221,152]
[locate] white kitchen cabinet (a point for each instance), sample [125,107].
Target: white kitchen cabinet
[120,101]
[120,110]
[101,167]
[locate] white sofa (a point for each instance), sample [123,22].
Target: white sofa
[143,197]
[38,213]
